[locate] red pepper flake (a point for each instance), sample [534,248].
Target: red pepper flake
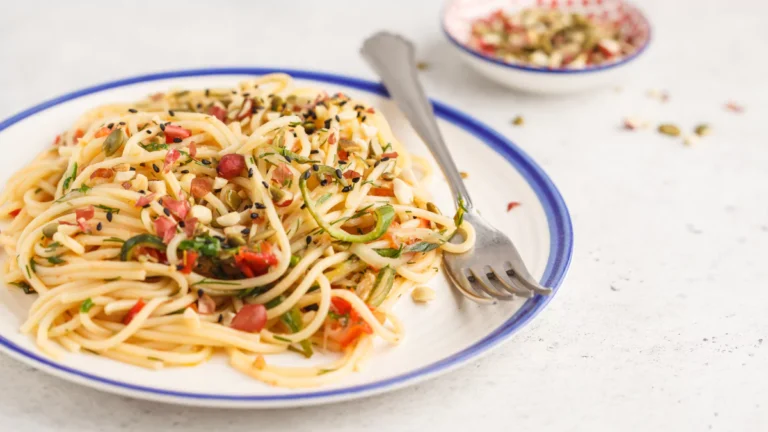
[15,213]
[104,173]
[371,110]
[332,137]
[57,140]
[133,312]
[218,112]
[343,155]
[351,174]
[192,149]
[734,107]
[390,155]
[86,213]
[144,200]
[512,205]
[173,132]
[170,158]
[165,228]
[102,132]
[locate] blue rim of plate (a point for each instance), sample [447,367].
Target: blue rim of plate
[476,54]
[558,219]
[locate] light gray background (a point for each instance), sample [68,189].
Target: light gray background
[660,322]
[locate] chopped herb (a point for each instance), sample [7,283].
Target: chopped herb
[390,252]
[71,177]
[56,260]
[86,305]
[24,286]
[107,209]
[207,281]
[52,246]
[325,371]
[422,247]
[282,339]
[152,147]
[112,279]
[114,239]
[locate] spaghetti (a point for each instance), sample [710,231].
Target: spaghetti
[252,220]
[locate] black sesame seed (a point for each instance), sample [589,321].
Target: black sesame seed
[166,211]
[259,205]
[149,132]
[142,191]
[250,172]
[341,162]
[98,226]
[303,206]
[142,164]
[376,163]
[200,292]
[315,167]
[221,318]
[338,173]
[132,169]
[205,161]
[145,206]
[288,159]
[199,105]
[132,111]
[314,151]
[309,239]
[171,113]
[246,94]
[254,215]
[109,216]
[346,188]
[246,231]
[122,123]
[110,126]
[185,171]
[155,168]
[177,140]
[323,182]
[359,107]
[207,92]
[337,118]
[162,127]
[342,103]
[179,267]
[385,158]
[356,179]
[363,118]
[327,123]
[182,224]
[265,184]
[217,190]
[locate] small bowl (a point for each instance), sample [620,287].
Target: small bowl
[457,23]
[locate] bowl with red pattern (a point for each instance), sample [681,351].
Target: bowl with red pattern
[548,46]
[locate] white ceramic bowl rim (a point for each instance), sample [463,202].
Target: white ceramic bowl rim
[625,60]
[558,219]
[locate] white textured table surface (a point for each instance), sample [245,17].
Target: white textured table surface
[660,323]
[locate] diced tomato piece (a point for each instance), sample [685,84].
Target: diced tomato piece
[282,173]
[133,311]
[343,155]
[190,259]
[165,228]
[15,213]
[390,155]
[253,263]
[178,208]
[353,333]
[332,137]
[284,203]
[103,132]
[144,200]
[201,186]
[205,305]
[382,191]
[423,223]
[192,149]
[78,134]
[172,132]
[103,173]
[86,213]
[218,112]
[251,318]
[340,306]
[231,165]
[351,174]
[170,158]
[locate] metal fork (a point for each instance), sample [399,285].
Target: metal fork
[493,270]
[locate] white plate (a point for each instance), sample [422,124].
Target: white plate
[440,336]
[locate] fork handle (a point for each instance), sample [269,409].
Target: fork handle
[392,57]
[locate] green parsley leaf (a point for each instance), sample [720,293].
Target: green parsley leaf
[86,305]
[56,260]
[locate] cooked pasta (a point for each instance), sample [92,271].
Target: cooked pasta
[249,221]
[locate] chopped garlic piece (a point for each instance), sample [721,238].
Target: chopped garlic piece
[157,186]
[124,176]
[228,219]
[219,183]
[422,294]
[202,213]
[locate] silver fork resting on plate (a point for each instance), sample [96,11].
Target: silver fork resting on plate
[493,270]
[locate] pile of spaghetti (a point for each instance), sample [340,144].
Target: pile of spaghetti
[255,220]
